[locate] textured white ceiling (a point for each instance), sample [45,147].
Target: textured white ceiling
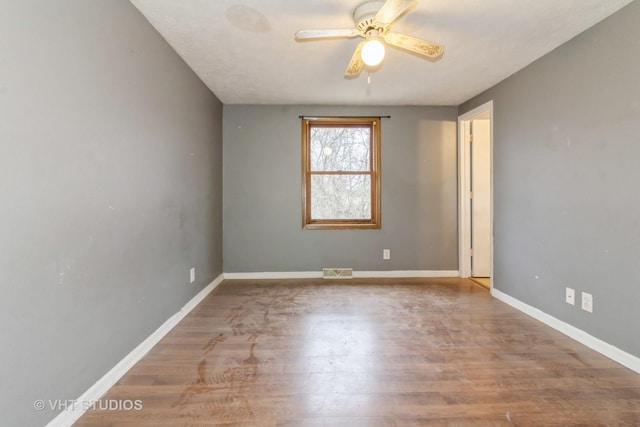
[245,52]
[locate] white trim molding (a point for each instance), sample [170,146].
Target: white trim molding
[464,187]
[356,274]
[275,275]
[407,273]
[614,353]
[97,390]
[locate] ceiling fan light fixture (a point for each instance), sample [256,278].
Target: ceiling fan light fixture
[373,51]
[373,20]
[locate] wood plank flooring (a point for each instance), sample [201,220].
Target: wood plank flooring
[485,282]
[384,352]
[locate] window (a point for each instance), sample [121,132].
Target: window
[341,172]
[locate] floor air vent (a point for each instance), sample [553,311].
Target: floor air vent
[337,273]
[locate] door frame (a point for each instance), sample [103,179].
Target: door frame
[464,187]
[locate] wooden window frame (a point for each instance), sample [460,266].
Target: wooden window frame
[374,171]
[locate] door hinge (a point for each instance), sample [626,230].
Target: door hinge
[471,252]
[471,138]
[471,194]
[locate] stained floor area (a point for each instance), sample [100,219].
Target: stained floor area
[409,352]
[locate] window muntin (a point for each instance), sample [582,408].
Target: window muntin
[341,177]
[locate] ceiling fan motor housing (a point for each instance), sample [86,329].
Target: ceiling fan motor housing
[364,14]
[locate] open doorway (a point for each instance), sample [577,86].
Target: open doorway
[475,141]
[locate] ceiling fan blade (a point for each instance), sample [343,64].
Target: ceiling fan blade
[325,34]
[356,63]
[392,9]
[421,47]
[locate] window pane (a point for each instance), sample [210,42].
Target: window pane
[340,148]
[340,197]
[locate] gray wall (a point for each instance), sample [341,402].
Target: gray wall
[566,150]
[110,190]
[262,193]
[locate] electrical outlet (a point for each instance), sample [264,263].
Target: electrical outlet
[570,296]
[192,274]
[587,302]
[386,254]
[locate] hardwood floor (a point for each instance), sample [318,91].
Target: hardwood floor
[384,352]
[485,282]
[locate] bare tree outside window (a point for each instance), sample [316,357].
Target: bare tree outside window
[341,159]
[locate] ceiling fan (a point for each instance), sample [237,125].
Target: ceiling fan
[373,21]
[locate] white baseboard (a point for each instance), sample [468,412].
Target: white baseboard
[276,275]
[363,274]
[407,273]
[96,391]
[614,353]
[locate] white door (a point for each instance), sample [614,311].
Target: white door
[481,198]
